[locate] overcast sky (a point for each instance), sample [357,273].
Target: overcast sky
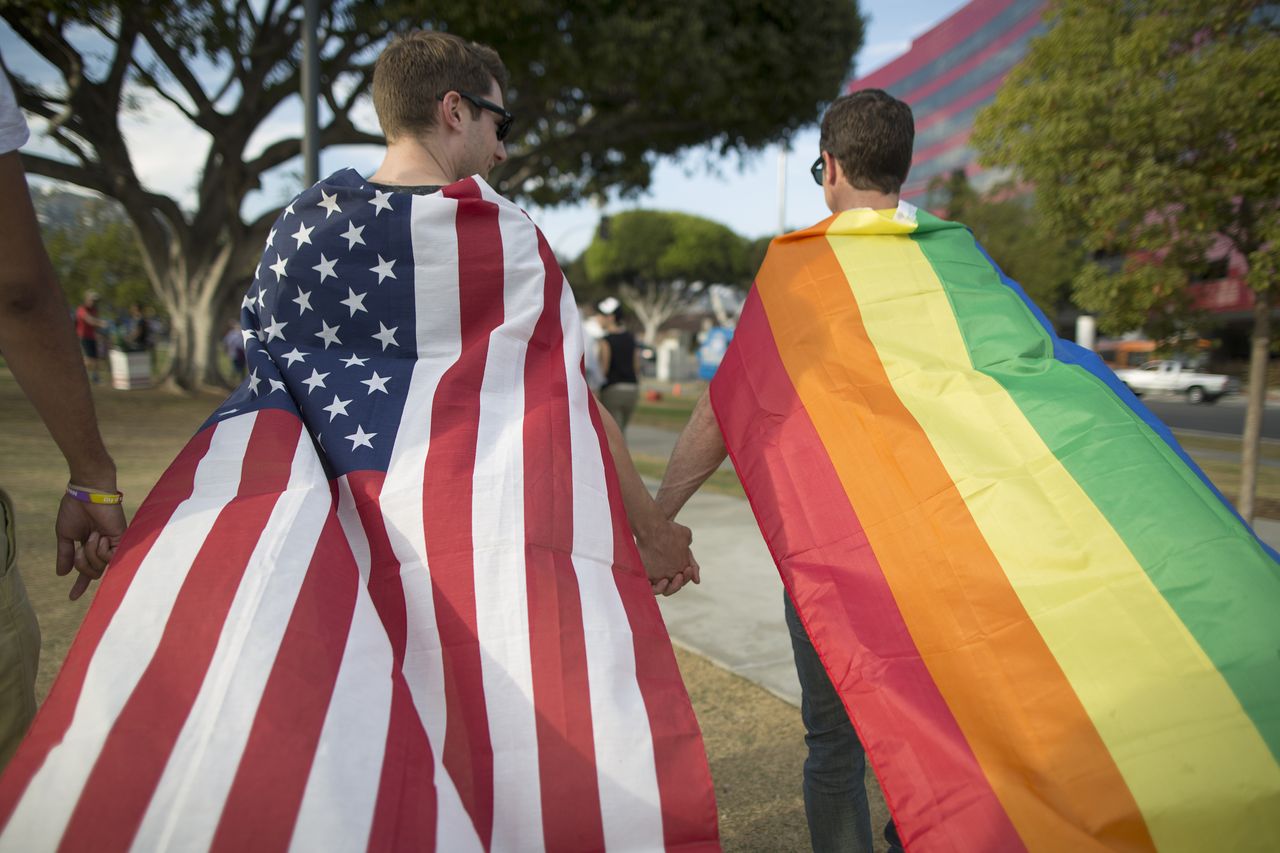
[742,193]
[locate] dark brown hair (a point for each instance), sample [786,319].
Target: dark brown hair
[870,134]
[418,67]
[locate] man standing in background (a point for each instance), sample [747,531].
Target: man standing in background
[88,325]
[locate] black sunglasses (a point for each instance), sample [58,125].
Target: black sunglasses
[504,118]
[817,170]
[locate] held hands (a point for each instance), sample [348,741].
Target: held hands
[668,560]
[87,537]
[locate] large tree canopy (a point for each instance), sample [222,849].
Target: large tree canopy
[1151,130]
[95,250]
[600,89]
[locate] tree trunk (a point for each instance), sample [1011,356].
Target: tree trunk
[195,333]
[653,306]
[1256,405]
[196,289]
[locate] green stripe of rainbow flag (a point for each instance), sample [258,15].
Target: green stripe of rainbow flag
[1103,630]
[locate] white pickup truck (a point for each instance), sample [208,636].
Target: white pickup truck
[1173,377]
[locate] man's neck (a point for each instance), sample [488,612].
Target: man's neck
[411,162]
[851,198]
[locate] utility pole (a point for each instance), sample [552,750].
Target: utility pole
[310,92]
[782,186]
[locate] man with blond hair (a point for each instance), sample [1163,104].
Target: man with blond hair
[393,595]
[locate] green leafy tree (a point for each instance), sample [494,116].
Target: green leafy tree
[660,262]
[755,252]
[95,249]
[601,90]
[587,290]
[1043,260]
[1151,130]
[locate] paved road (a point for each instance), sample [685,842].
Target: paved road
[1226,416]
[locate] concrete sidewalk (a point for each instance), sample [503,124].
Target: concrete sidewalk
[734,617]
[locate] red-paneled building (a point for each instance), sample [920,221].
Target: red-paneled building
[950,73]
[955,69]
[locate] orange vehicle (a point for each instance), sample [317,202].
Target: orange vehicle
[1119,354]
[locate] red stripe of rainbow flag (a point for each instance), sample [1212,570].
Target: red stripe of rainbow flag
[1049,629]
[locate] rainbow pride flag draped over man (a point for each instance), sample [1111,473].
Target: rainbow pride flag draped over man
[1049,629]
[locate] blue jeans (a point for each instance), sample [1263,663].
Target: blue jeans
[835,791]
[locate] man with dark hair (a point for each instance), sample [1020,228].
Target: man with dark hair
[870,134]
[39,349]
[866,152]
[407,567]
[948,490]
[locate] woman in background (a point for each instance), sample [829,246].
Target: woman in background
[619,359]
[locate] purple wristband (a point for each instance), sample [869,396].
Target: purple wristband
[95,496]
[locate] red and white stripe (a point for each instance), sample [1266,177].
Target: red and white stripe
[461,654]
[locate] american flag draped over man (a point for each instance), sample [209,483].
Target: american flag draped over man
[387,597]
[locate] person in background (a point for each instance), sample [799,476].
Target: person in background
[137,330]
[593,332]
[40,351]
[619,359]
[233,343]
[88,326]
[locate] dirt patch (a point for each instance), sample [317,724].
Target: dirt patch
[755,746]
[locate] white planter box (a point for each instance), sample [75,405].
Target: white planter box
[130,369]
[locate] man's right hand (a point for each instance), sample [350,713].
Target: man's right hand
[668,560]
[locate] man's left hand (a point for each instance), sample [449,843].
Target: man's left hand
[87,537]
[673,584]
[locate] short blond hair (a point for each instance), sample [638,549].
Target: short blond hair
[418,67]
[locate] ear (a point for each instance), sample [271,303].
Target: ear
[451,111]
[831,171]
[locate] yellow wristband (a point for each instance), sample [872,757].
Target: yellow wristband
[94,496]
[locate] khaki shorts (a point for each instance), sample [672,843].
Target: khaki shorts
[19,643]
[620,400]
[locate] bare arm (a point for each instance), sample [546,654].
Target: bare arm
[663,544]
[698,453]
[604,354]
[40,350]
